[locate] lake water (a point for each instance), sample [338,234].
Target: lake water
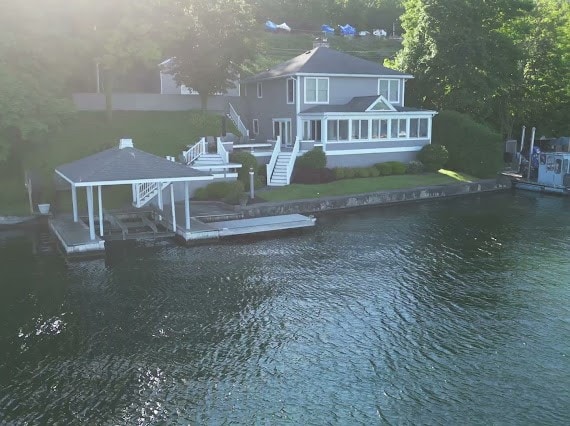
[446,312]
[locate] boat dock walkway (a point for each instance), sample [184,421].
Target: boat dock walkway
[132,225]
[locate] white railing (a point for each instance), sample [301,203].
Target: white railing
[194,152]
[291,163]
[221,150]
[145,192]
[237,120]
[271,165]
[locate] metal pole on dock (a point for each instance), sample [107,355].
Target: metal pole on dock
[100,210]
[522,146]
[530,152]
[251,184]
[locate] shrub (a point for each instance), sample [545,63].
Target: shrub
[262,171]
[415,167]
[363,172]
[398,168]
[310,176]
[349,173]
[339,173]
[373,171]
[226,191]
[247,161]
[314,159]
[434,157]
[385,169]
[473,147]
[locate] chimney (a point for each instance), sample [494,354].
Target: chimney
[125,143]
[321,42]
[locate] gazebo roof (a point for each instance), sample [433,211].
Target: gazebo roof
[119,166]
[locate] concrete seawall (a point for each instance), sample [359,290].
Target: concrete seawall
[372,199]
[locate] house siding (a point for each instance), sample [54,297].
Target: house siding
[272,105]
[367,160]
[404,143]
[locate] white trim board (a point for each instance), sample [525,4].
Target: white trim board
[374,150]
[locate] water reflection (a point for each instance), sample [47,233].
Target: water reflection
[437,312]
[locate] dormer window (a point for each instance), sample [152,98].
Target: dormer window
[390,89]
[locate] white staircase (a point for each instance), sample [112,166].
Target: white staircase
[144,192]
[209,161]
[236,119]
[279,177]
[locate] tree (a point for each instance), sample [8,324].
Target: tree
[460,53]
[216,43]
[118,35]
[35,55]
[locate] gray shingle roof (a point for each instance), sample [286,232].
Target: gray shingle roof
[322,60]
[357,104]
[125,164]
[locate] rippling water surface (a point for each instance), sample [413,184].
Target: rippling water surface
[448,312]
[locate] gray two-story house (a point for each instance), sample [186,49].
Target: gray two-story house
[352,108]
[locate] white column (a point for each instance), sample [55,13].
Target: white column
[90,212]
[134,193]
[349,129]
[173,207]
[186,206]
[160,201]
[324,133]
[100,210]
[74,202]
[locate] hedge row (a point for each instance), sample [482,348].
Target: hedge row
[379,169]
[229,192]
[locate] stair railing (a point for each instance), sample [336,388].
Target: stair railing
[291,163]
[237,121]
[221,150]
[273,161]
[196,151]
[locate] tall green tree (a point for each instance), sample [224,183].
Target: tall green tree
[460,53]
[120,34]
[216,42]
[36,53]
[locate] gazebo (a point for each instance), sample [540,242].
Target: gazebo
[148,175]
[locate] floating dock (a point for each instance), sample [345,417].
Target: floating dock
[74,236]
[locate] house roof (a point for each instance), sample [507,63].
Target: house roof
[119,166]
[322,60]
[358,104]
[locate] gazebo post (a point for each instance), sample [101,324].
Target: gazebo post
[160,200]
[90,212]
[186,206]
[74,202]
[173,207]
[100,210]
[134,193]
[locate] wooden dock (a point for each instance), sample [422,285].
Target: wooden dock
[74,236]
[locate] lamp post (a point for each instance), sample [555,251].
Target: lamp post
[251,184]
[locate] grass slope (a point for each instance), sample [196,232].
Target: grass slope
[359,186]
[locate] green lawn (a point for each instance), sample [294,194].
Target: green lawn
[360,186]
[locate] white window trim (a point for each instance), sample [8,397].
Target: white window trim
[317,88]
[259,90]
[255,126]
[287,91]
[399,89]
[380,98]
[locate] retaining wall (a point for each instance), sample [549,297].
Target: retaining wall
[371,199]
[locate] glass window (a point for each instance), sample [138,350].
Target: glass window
[390,89]
[565,166]
[423,133]
[383,129]
[402,133]
[414,127]
[343,130]
[316,90]
[375,129]
[394,128]
[290,91]
[332,130]
[364,129]
[355,129]
[255,126]
[260,90]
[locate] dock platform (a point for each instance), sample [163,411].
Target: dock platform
[74,236]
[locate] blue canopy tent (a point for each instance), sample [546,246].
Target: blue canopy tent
[270,26]
[347,30]
[327,29]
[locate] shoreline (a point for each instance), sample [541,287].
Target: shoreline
[326,204]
